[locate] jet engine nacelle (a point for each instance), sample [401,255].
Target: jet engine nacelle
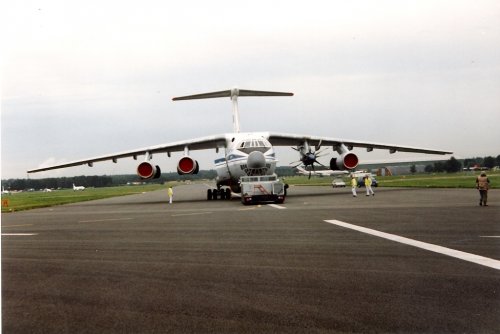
[346,161]
[147,171]
[187,165]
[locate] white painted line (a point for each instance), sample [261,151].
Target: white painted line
[484,261]
[104,220]
[17,225]
[489,236]
[191,214]
[18,234]
[247,209]
[276,206]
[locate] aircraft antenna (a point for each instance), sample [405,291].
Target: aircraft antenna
[233,94]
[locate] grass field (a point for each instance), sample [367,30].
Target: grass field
[441,180]
[458,180]
[38,199]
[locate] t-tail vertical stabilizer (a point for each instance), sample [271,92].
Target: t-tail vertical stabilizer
[233,94]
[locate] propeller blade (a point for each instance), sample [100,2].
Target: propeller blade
[319,163]
[317,147]
[321,151]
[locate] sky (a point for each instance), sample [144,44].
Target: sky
[83,79]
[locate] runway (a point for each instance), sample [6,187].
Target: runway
[136,264]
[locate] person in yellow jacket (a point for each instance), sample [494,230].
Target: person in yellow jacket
[170,192]
[354,185]
[483,184]
[368,186]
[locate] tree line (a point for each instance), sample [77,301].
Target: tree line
[96,181]
[112,180]
[57,183]
[453,165]
[488,162]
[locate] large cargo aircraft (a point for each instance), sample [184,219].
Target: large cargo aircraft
[244,153]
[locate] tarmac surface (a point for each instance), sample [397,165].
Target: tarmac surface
[136,264]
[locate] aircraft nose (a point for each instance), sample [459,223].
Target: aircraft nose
[256,159]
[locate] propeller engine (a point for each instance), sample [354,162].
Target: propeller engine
[147,171]
[308,157]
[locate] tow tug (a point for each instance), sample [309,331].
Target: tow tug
[262,189]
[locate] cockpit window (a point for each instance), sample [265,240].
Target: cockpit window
[254,144]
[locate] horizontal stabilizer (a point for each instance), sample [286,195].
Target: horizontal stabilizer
[225,93]
[230,93]
[246,92]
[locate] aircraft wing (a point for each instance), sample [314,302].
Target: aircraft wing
[284,139]
[211,142]
[219,141]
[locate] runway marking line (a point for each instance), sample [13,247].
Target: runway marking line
[484,261]
[104,220]
[191,214]
[17,225]
[489,236]
[18,234]
[276,206]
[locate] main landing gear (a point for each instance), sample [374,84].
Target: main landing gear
[213,194]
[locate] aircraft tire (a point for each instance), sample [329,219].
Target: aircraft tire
[222,194]
[228,193]
[214,194]
[209,194]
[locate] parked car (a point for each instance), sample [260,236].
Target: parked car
[361,182]
[338,183]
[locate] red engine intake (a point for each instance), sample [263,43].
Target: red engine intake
[187,165]
[147,171]
[350,160]
[346,161]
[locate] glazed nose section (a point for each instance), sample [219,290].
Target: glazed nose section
[256,160]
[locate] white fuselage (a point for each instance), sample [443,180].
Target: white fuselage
[239,161]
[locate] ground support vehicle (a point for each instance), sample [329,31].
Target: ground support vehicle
[361,182]
[261,189]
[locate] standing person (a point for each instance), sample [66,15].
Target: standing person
[368,186]
[354,185]
[170,192]
[483,184]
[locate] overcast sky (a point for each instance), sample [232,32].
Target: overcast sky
[87,78]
